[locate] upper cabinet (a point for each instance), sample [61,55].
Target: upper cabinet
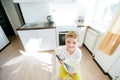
[19,1]
[64,1]
[24,1]
[56,1]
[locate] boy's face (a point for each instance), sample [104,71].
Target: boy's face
[71,43]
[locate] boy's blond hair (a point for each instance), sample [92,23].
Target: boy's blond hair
[73,34]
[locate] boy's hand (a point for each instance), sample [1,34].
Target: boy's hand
[61,61]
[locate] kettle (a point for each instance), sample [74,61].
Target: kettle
[50,19]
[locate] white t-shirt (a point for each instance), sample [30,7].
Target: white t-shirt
[73,59]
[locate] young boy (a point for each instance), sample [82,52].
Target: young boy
[70,53]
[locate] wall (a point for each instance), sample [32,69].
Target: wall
[63,10]
[38,12]
[34,12]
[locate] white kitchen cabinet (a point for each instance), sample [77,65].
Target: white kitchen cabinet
[91,39]
[81,31]
[26,1]
[29,39]
[3,39]
[56,1]
[110,64]
[21,1]
[114,70]
[38,40]
[63,1]
[47,39]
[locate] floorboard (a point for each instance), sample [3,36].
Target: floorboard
[16,64]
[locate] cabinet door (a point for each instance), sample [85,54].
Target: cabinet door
[29,39]
[81,31]
[91,38]
[114,69]
[21,1]
[3,39]
[47,39]
[109,64]
[24,1]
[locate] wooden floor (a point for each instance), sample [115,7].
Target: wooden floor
[16,64]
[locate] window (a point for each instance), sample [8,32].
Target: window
[105,12]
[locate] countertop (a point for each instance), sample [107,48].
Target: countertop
[32,26]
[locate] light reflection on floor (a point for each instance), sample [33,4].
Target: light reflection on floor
[29,66]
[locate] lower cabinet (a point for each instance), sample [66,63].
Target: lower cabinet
[38,40]
[3,39]
[47,39]
[91,39]
[29,39]
[110,64]
[114,70]
[81,31]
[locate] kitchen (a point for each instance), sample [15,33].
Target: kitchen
[41,11]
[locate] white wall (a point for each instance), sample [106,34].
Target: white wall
[34,12]
[65,13]
[62,12]
[38,12]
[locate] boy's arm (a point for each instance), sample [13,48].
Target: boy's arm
[78,55]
